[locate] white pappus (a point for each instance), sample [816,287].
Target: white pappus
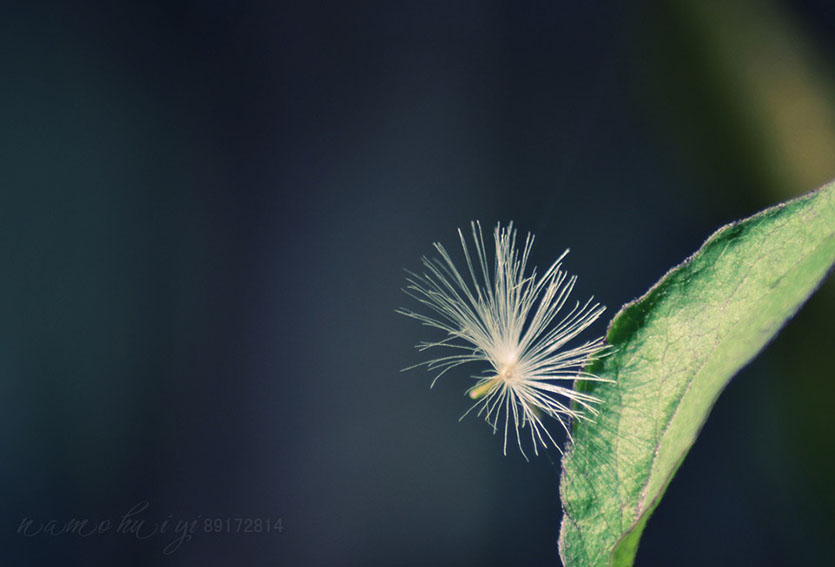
[509,320]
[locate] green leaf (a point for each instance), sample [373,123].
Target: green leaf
[674,350]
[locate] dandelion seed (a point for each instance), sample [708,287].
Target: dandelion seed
[508,319]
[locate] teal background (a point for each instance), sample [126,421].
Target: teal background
[205,211]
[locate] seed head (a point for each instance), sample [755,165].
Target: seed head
[507,319]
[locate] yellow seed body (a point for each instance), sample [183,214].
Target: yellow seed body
[483,390]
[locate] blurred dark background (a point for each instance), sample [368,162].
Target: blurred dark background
[205,210]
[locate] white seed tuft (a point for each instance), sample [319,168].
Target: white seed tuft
[508,319]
